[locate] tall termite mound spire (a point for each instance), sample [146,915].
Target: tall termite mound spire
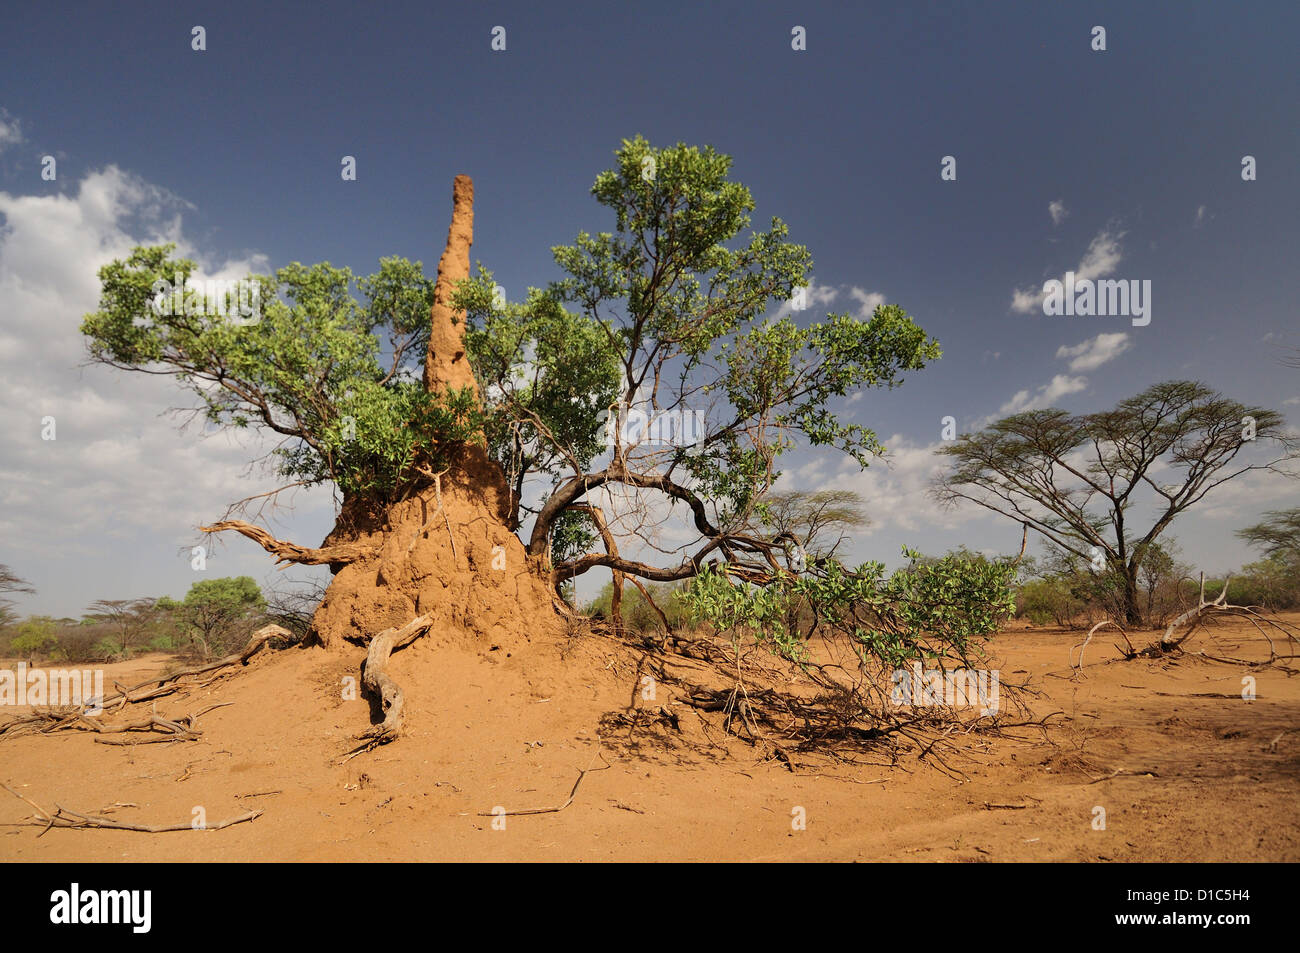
[446,364]
[442,552]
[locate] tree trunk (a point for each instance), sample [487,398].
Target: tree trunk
[1132,605]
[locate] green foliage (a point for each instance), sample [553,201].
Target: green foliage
[637,614]
[218,614]
[1278,534]
[1272,583]
[932,608]
[681,295]
[34,636]
[547,375]
[733,608]
[1068,591]
[809,516]
[308,368]
[1079,479]
[1047,601]
[665,311]
[9,582]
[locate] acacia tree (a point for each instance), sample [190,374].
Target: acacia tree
[9,582]
[129,619]
[1079,480]
[808,516]
[449,419]
[1278,534]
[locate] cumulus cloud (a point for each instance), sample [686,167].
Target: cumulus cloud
[1058,211]
[11,131]
[1101,259]
[1045,396]
[867,301]
[1093,353]
[819,297]
[894,489]
[117,465]
[816,297]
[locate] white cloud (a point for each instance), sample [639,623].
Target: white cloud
[118,465]
[11,132]
[895,489]
[1058,211]
[1102,258]
[1047,395]
[1200,216]
[1094,352]
[819,297]
[1029,399]
[816,296]
[867,301]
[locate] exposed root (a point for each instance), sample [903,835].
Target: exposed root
[833,710]
[65,817]
[376,680]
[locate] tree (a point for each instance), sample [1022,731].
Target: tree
[379,397]
[217,612]
[808,515]
[9,582]
[1077,479]
[128,618]
[34,636]
[1278,534]
[709,395]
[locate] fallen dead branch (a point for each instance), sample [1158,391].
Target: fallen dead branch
[1144,773]
[837,705]
[1078,667]
[152,730]
[552,810]
[1196,617]
[291,553]
[68,818]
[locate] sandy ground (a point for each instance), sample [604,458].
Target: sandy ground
[1203,774]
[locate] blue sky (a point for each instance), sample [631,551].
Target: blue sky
[235,152]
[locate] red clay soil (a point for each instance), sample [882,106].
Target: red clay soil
[1183,766]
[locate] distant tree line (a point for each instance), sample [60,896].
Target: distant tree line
[215,618]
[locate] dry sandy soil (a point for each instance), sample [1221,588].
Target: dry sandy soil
[1203,774]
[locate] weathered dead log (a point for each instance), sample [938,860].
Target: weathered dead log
[1195,618]
[377,680]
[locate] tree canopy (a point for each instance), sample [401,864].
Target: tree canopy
[660,318]
[1278,534]
[10,583]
